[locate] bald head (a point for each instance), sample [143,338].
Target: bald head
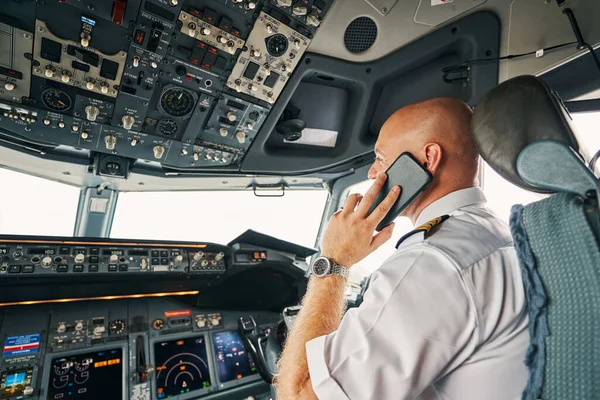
[437,132]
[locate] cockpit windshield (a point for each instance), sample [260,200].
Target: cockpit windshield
[219,215]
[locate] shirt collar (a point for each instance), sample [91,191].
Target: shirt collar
[450,202]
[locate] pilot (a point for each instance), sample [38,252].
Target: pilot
[445,316]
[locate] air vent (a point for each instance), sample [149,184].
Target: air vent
[360,34]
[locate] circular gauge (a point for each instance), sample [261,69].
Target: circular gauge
[167,127]
[62,369]
[158,324]
[277,45]
[117,327]
[177,102]
[83,365]
[56,100]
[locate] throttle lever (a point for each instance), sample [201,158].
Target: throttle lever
[253,339]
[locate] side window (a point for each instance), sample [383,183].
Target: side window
[588,126]
[39,207]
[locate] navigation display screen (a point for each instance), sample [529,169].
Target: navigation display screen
[233,362]
[13,383]
[90,376]
[21,345]
[181,366]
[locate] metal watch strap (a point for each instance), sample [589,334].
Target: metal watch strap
[337,269]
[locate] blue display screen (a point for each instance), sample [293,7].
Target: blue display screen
[233,362]
[13,383]
[15,379]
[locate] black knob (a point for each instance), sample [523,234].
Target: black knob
[180,70]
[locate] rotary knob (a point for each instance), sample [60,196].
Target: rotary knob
[178,259]
[65,77]
[143,264]
[49,72]
[89,85]
[91,112]
[9,86]
[222,39]
[223,132]
[158,324]
[113,259]
[205,31]
[200,323]
[104,88]
[284,3]
[79,258]
[28,391]
[198,256]
[110,141]
[46,261]
[219,256]
[128,121]
[158,151]
[79,326]
[231,116]
[215,321]
[61,328]
[136,61]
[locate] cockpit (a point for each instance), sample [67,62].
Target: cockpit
[169,167]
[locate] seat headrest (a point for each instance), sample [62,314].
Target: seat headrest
[514,114]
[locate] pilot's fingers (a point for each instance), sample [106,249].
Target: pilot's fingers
[383,236]
[351,203]
[371,195]
[385,206]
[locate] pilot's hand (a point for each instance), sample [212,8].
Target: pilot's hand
[349,236]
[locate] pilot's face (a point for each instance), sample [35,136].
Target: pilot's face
[389,146]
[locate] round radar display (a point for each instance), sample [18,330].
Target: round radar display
[181,366]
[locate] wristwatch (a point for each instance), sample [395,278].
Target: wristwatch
[324,266]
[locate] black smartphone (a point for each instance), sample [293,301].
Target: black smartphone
[412,178]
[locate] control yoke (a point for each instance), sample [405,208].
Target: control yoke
[253,340]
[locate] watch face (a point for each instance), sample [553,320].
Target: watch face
[321,266]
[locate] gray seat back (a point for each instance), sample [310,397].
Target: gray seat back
[524,133]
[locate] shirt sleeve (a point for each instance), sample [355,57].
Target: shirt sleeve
[416,324]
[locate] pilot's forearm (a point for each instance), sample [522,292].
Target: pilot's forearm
[322,310]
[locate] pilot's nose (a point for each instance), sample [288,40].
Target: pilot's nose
[374,170]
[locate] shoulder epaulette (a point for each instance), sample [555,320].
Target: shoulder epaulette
[426,228]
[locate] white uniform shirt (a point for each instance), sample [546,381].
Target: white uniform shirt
[443,318]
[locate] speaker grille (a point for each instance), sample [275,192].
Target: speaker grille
[360,34]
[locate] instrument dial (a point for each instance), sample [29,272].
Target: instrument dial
[62,369]
[56,100]
[84,365]
[158,324]
[177,102]
[167,127]
[117,327]
[277,45]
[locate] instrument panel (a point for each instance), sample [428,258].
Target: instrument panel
[47,257]
[187,84]
[118,350]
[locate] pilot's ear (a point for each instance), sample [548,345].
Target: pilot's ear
[432,153]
